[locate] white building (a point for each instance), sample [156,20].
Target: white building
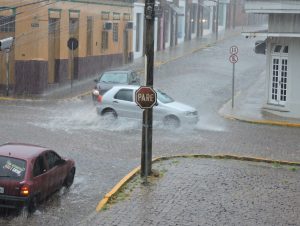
[138,30]
[282,93]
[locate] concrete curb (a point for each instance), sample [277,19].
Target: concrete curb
[130,175]
[255,121]
[264,122]
[13,99]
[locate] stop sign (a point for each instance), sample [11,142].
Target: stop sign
[145,97]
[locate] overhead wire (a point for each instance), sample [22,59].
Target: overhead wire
[22,18]
[61,28]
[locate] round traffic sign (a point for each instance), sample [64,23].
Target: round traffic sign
[72,43]
[233,58]
[145,97]
[234,50]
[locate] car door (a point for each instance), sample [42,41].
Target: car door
[123,102]
[56,173]
[40,177]
[162,109]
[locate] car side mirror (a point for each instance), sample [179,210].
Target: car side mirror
[96,80]
[60,162]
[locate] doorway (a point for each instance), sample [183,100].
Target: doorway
[279,75]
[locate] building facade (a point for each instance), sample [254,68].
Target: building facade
[41,59]
[282,41]
[109,34]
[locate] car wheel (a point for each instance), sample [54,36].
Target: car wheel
[33,204]
[171,122]
[24,212]
[70,178]
[110,114]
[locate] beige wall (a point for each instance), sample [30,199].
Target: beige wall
[32,42]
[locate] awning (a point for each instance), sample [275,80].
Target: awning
[266,33]
[179,11]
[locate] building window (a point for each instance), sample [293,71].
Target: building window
[104,43]
[89,39]
[73,26]
[7,23]
[116,16]
[279,75]
[53,25]
[115,32]
[105,15]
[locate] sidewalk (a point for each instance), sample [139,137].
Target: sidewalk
[199,191]
[249,107]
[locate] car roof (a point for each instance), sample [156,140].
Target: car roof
[118,71]
[21,150]
[118,87]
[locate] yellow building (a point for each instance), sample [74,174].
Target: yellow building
[40,57]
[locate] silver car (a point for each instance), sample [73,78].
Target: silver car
[119,101]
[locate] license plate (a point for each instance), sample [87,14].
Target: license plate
[1,190]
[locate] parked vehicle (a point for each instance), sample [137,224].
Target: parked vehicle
[110,78]
[119,101]
[30,173]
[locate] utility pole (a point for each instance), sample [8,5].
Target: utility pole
[146,153]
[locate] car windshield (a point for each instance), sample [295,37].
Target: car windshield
[163,97]
[12,168]
[120,78]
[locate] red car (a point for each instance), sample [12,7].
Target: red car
[30,173]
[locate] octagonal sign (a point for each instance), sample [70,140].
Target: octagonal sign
[145,97]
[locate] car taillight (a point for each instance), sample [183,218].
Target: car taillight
[24,190]
[99,98]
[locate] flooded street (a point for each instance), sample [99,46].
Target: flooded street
[105,152]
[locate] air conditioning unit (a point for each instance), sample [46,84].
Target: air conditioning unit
[129,25]
[107,25]
[260,47]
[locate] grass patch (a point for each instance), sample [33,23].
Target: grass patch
[125,191]
[293,168]
[276,165]
[175,161]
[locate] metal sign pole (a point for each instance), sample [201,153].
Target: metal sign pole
[233,72]
[145,149]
